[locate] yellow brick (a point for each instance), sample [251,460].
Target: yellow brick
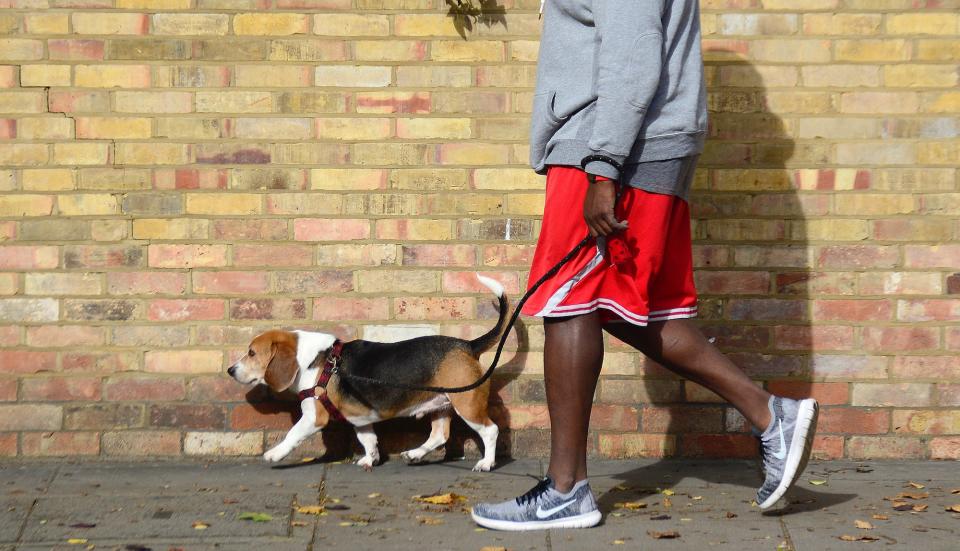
[792,4]
[22,102]
[166,228]
[25,205]
[23,154]
[108,76]
[154,4]
[752,180]
[837,229]
[398,281]
[348,24]
[524,50]
[474,154]
[153,102]
[189,128]
[424,128]
[389,50]
[872,50]
[48,179]
[923,23]
[112,128]
[348,179]
[507,179]
[273,128]
[874,203]
[190,24]
[404,154]
[62,284]
[45,128]
[913,76]
[87,204]
[16,49]
[151,154]
[440,179]
[81,153]
[270,24]
[225,101]
[47,23]
[942,102]
[939,153]
[938,50]
[414,229]
[223,203]
[857,24]
[44,75]
[524,204]
[104,22]
[458,50]
[353,128]
[799,51]
[277,75]
[423,25]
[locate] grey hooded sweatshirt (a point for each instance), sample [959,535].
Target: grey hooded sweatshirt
[621,78]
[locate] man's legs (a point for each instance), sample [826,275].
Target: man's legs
[572,357]
[680,346]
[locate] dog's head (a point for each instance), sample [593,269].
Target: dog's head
[271,359]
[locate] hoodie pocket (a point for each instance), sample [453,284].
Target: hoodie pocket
[544,123]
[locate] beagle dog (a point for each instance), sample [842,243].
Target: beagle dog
[310,363]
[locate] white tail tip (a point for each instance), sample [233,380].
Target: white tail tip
[491,284]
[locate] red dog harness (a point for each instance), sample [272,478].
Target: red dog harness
[329,368]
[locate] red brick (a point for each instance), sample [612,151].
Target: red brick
[441,308]
[186,256]
[146,283]
[144,388]
[953,338]
[930,421]
[466,282]
[309,229]
[932,256]
[928,310]
[196,178]
[335,309]
[8,78]
[718,445]
[8,390]
[267,415]
[65,335]
[682,419]
[231,282]
[936,368]
[843,420]
[732,283]
[827,447]
[73,49]
[740,337]
[848,367]
[892,394]
[142,443]
[59,389]
[221,388]
[15,417]
[614,418]
[268,308]
[899,283]
[60,444]
[314,282]
[255,230]
[949,394]
[29,257]
[814,337]
[103,256]
[219,335]
[825,393]
[508,255]
[183,361]
[853,310]
[625,446]
[884,447]
[187,416]
[74,101]
[9,336]
[8,444]
[766,309]
[439,255]
[764,366]
[185,309]
[272,255]
[99,361]
[100,416]
[858,257]
[27,361]
[899,339]
[8,129]
[711,256]
[947,447]
[816,283]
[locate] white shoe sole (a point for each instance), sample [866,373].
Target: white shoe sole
[799,451]
[585,520]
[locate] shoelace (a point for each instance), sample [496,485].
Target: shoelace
[535,492]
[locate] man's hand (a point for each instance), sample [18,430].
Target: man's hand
[598,208]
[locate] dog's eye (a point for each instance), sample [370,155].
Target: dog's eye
[251,353]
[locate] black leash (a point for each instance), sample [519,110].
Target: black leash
[503,338]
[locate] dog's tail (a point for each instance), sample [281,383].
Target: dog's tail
[483,343]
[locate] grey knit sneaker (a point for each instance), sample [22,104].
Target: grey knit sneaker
[541,508]
[785,446]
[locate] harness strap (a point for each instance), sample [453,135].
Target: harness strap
[329,368]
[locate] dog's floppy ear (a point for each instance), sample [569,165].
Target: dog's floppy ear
[282,369]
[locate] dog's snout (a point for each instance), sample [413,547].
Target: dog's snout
[231,370]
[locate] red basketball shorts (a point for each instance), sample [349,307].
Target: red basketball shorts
[639,275]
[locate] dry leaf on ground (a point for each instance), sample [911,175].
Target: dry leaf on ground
[668,535]
[731,515]
[488,548]
[440,499]
[632,505]
[864,537]
[901,506]
[863,525]
[431,521]
[668,492]
[667,503]
[920,508]
[310,509]
[954,508]
[880,517]
[818,482]
[200,525]
[916,485]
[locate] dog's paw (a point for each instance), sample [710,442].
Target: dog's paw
[274,455]
[483,466]
[411,456]
[367,462]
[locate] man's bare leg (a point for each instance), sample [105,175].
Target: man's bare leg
[573,355]
[680,347]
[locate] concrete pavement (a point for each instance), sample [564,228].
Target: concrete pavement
[197,506]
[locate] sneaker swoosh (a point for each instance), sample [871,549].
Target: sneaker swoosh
[783,445]
[542,514]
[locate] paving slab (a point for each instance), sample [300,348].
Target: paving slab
[18,479]
[13,517]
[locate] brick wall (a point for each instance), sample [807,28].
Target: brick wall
[179,175]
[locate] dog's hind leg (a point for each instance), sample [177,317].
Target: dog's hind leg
[439,433]
[472,408]
[368,439]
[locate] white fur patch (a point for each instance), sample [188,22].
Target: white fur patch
[491,284]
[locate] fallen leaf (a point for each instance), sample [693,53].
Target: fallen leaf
[668,492]
[440,499]
[696,498]
[880,517]
[200,525]
[632,505]
[83,525]
[374,495]
[299,523]
[617,542]
[660,517]
[864,537]
[77,541]
[954,508]
[783,546]
[916,485]
[901,506]
[230,501]
[479,529]
[863,525]
[731,515]
[488,548]
[913,495]
[669,535]
[255,517]
[955,491]
[667,503]
[818,482]
[308,459]
[430,521]
[336,507]
[919,508]
[310,509]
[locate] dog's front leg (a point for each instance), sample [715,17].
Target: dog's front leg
[368,439]
[306,426]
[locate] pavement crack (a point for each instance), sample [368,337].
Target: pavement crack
[786,536]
